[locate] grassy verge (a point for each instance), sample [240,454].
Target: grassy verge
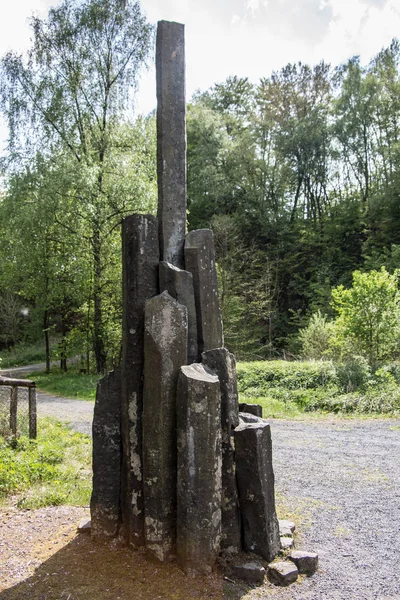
[70,385]
[54,469]
[24,355]
[292,388]
[284,389]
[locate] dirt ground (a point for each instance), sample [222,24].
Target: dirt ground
[42,557]
[338,479]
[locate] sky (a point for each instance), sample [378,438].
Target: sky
[248,38]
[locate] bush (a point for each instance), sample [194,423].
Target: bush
[316,338]
[286,387]
[261,376]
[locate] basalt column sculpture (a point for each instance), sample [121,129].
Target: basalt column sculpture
[177,469]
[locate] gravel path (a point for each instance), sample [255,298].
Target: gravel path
[343,478]
[340,478]
[78,413]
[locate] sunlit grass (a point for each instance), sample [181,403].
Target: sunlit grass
[54,469]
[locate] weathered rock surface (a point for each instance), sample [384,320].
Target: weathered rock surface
[250,418]
[105,506]
[199,468]
[165,351]
[253,409]
[223,364]
[306,562]
[286,527]
[200,261]
[85,526]
[255,477]
[140,257]
[282,573]
[171,140]
[251,572]
[286,542]
[179,284]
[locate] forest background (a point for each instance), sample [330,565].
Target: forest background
[297,175]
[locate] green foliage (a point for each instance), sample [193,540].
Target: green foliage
[78,165]
[292,375]
[70,385]
[316,338]
[289,388]
[25,354]
[54,469]
[368,315]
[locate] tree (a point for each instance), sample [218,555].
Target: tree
[67,99]
[369,314]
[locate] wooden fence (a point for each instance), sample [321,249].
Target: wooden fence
[14,384]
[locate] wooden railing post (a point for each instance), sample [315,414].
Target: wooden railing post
[32,412]
[13,409]
[14,384]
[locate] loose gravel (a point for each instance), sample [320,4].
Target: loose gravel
[78,413]
[342,478]
[339,480]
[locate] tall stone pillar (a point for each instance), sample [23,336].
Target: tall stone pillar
[165,352]
[171,140]
[255,477]
[179,284]
[140,256]
[199,469]
[105,503]
[200,261]
[223,364]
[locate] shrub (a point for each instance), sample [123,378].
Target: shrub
[369,315]
[316,338]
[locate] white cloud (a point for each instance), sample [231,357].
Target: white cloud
[246,37]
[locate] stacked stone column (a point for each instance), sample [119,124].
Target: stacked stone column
[167,474]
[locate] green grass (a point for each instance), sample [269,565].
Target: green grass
[284,389]
[54,469]
[23,354]
[70,384]
[291,388]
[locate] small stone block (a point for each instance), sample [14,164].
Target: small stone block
[254,409]
[306,562]
[286,543]
[286,528]
[282,573]
[251,572]
[245,417]
[85,526]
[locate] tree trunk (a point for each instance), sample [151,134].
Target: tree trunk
[98,337]
[63,349]
[46,339]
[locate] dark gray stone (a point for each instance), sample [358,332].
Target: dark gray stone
[199,469]
[223,364]
[251,572]
[171,140]
[282,573]
[165,351]
[255,477]
[140,257]
[253,409]
[179,284]
[249,418]
[200,261]
[306,562]
[105,507]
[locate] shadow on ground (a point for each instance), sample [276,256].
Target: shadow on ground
[85,570]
